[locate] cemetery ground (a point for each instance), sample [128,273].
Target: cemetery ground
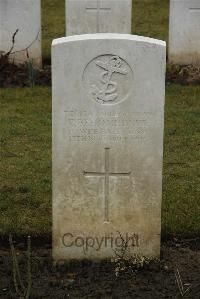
[26,204]
[25,185]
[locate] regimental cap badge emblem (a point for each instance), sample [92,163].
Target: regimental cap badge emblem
[108,79]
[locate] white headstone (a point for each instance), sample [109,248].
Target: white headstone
[20,20]
[108,112]
[184,32]
[94,16]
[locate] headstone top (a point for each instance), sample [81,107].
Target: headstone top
[110,36]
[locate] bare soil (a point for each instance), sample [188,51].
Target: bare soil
[19,76]
[185,75]
[103,279]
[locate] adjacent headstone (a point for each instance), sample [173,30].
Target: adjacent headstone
[20,30]
[184,32]
[94,16]
[108,113]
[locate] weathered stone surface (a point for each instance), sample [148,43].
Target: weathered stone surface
[94,16]
[108,112]
[22,18]
[184,32]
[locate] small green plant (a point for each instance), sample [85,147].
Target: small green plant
[131,264]
[126,261]
[32,72]
[23,292]
[183,287]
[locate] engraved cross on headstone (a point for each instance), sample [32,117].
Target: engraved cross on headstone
[98,9]
[106,174]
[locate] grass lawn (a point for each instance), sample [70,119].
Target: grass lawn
[53,24]
[150,18]
[25,167]
[181,188]
[25,203]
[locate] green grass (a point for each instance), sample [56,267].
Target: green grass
[25,168]
[53,24]
[25,173]
[150,18]
[181,189]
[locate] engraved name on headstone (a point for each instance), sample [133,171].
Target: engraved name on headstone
[108,114]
